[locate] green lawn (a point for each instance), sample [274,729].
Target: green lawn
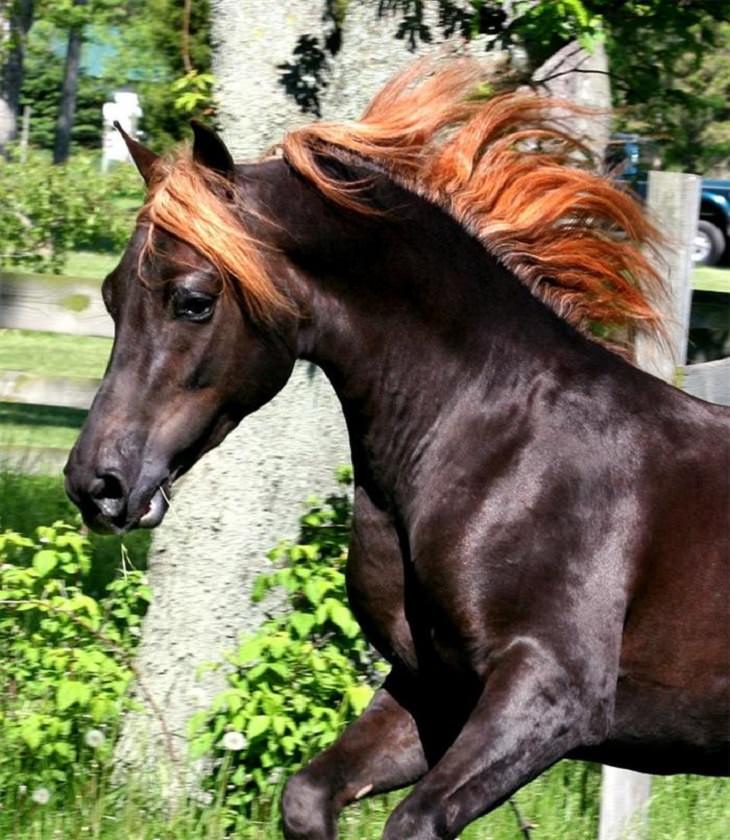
[90,264]
[38,425]
[711,279]
[53,354]
[563,803]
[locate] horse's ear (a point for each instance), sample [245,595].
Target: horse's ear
[210,151]
[144,158]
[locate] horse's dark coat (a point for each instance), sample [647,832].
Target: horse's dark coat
[539,542]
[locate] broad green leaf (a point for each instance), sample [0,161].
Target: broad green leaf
[45,561]
[358,697]
[257,726]
[342,617]
[302,623]
[72,692]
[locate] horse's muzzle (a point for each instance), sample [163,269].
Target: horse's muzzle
[109,505]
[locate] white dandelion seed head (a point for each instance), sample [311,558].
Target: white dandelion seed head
[94,738]
[41,796]
[233,741]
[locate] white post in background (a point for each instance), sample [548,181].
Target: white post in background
[674,205]
[624,804]
[124,109]
[673,202]
[25,133]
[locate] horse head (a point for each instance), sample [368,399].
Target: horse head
[189,360]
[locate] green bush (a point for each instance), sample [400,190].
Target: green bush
[294,685]
[66,660]
[49,210]
[30,501]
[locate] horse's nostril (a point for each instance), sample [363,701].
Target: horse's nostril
[108,487]
[109,494]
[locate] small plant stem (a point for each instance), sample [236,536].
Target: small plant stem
[220,795]
[524,825]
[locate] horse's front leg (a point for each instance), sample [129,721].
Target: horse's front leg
[380,751]
[528,716]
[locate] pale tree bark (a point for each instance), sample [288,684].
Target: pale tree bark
[8,124]
[578,75]
[16,18]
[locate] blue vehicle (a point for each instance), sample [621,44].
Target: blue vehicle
[632,157]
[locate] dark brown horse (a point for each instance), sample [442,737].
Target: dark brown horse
[538,542]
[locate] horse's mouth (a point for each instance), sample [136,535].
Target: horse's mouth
[156,507]
[111,516]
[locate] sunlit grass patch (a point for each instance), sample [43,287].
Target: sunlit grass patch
[53,354]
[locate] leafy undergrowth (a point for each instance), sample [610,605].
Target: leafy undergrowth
[66,664]
[562,803]
[49,210]
[296,684]
[30,501]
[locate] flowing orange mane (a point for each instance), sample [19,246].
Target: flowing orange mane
[504,167]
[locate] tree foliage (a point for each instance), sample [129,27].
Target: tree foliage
[171,73]
[686,107]
[141,42]
[42,92]
[667,57]
[49,210]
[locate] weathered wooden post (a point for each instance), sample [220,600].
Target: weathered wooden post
[674,204]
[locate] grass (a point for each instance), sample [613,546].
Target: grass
[562,803]
[39,426]
[711,279]
[53,354]
[93,264]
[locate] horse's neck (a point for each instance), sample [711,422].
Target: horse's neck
[408,317]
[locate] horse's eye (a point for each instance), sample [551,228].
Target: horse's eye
[193,306]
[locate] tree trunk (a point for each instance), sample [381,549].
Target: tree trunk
[19,22]
[575,74]
[69,89]
[246,495]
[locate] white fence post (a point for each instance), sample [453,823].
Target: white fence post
[674,203]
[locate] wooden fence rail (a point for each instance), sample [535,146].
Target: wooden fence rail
[53,304]
[710,381]
[61,392]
